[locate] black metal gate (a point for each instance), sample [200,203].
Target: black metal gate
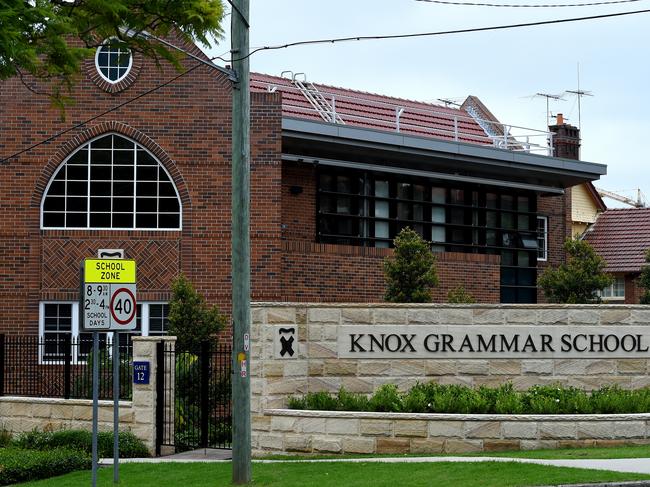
[193,409]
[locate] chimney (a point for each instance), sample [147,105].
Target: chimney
[566,141]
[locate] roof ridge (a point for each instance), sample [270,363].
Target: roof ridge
[362,92]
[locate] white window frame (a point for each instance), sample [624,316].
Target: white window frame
[106,44]
[88,211]
[611,289]
[545,253]
[75,329]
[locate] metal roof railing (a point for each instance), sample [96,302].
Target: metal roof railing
[410,119]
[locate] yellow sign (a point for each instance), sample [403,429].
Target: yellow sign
[109,271]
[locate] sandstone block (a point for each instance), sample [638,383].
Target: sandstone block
[326,444]
[309,425]
[428,445]
[456,316]
[321,350]
[411,428]
[369,368]
[258,316]
[390,316]
[488,316]
[315,332]
[446,429]
[504,367]
[538,367]
[273,368]
[299,443]
[315,368]
[553,317]
[342,426]
[356,315]
[462,446]
[538,444]
[439,367]
[501,445]
[330,332]
[595,429]
[614,316]
[340,367]
[283,423]
[393,445]
[281,316]
[376,427]
[295,368]
[519,429]
[323,315]
[40,410]
[469,367]
[629,429]
[286,386]
[359,386]
[270,442]
[326,384]
[583,317]
[261,423]
[631,366]
[409,368]
[482,429]
[641,317]
[557,430]
[521,316]
[423,316]
[358,445]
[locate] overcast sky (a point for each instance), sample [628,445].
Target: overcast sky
[502,68]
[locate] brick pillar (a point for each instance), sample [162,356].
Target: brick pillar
[144,395]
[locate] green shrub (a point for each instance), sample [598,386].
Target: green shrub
[81,440]
[18,465]
[458,295]
[504,399]
[6,438]
[386,399]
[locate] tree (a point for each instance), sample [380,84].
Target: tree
[579,280]
[644,280]
[49,38]
[410,272]
[459,295]
[190,319]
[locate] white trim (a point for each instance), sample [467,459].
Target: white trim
[545,219]
[99,71]
[134,228]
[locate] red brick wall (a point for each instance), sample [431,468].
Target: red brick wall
[186,124]
[345,273]
[558,211]
[632,290]
[299,210]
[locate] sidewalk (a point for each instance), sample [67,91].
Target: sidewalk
[629,465]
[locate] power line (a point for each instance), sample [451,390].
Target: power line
[439,33]
[95,117]
[524,5]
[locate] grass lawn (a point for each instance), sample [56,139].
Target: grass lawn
[488,474]
[633,451]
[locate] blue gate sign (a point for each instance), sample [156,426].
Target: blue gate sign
[140,372]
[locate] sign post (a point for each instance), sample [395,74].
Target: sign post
[109,305]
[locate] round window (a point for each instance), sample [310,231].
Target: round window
[113,62]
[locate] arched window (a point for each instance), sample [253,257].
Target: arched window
[113,62]
[111,182]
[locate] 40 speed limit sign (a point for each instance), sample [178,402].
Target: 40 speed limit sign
[108,295]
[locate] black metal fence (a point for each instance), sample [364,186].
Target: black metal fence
[194,397]
[60,367]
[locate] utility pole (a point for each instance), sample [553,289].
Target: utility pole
[241,287]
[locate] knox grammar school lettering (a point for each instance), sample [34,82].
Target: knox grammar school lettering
[456,341]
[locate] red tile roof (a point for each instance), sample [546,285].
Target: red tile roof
[369,110]
[621,237]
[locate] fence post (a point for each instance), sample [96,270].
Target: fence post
[205,382]
[2,364]
[160,394]
[67,370]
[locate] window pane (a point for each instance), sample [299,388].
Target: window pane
[438,195]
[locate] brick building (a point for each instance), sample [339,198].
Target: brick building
[621,236]
[334,175]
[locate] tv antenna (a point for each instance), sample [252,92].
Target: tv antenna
[548,97]
[448,102]
[579,93]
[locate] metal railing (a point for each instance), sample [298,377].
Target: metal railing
[337,108]
[60,367]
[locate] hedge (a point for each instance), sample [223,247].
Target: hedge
[18,465]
